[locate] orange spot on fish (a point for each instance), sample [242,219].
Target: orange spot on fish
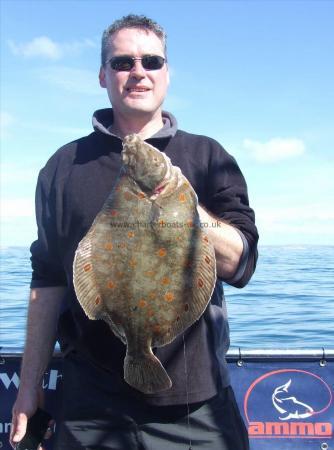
[97,300]
[165,280]
[152,295]
[162,252]
[141,195]
[200,282]
[132,262]
[108,246]
[127,195]
[149,273]
[113,212]
[182,198]
[169,297]
[131,234]
[142,303]
[111,285]
[87,267]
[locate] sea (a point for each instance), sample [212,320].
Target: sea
[288,304]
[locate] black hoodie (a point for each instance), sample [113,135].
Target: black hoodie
[71,190]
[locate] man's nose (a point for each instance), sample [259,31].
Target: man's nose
[138,70]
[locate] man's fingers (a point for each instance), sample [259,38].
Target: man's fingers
[19,427]
[13,427]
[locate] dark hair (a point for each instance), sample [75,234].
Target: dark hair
[132,21]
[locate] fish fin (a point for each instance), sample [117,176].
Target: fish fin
[87,292]
[204,282]
[146,373]
[116,329]
[85,285]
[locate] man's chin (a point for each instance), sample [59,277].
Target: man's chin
[140,110]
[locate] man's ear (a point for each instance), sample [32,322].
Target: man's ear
[102,77]
[168,75]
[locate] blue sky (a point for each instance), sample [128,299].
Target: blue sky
[255,75]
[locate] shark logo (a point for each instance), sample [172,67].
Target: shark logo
[289,406]
[289,403]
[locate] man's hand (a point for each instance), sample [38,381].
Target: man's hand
[23,409]
[43,312]
[27,402]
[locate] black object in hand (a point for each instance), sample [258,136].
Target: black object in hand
[36,429]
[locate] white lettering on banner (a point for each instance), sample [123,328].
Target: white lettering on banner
[53,379]
[8,381]
[5,427]
[50,380]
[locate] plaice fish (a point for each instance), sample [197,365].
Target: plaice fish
[145,266]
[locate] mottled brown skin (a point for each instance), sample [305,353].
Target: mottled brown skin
[145,266]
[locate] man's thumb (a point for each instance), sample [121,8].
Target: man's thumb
[20,427]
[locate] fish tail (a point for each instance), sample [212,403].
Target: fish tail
[146,373]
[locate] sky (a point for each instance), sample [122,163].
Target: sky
[258,76]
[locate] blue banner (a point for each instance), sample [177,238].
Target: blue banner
[285,405]
[9,383]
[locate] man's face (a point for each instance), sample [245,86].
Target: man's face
[138,92]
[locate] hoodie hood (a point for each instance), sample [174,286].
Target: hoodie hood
[103,119]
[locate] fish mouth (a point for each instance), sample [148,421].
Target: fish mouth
[160,188]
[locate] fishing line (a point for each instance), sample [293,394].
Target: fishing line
[187,392]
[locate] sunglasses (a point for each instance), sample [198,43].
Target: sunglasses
[126,63]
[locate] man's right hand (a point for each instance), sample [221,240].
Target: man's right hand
[43,312]
[25,406]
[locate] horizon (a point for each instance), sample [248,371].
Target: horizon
[260,246]
[260,73]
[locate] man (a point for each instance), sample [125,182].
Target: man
[100,410]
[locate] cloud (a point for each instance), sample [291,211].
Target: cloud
[12,172]
[6,121]
[17,207]
[276,149]
[44,47]
[39,47]
[309,213]
[308,224]
[80,81]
